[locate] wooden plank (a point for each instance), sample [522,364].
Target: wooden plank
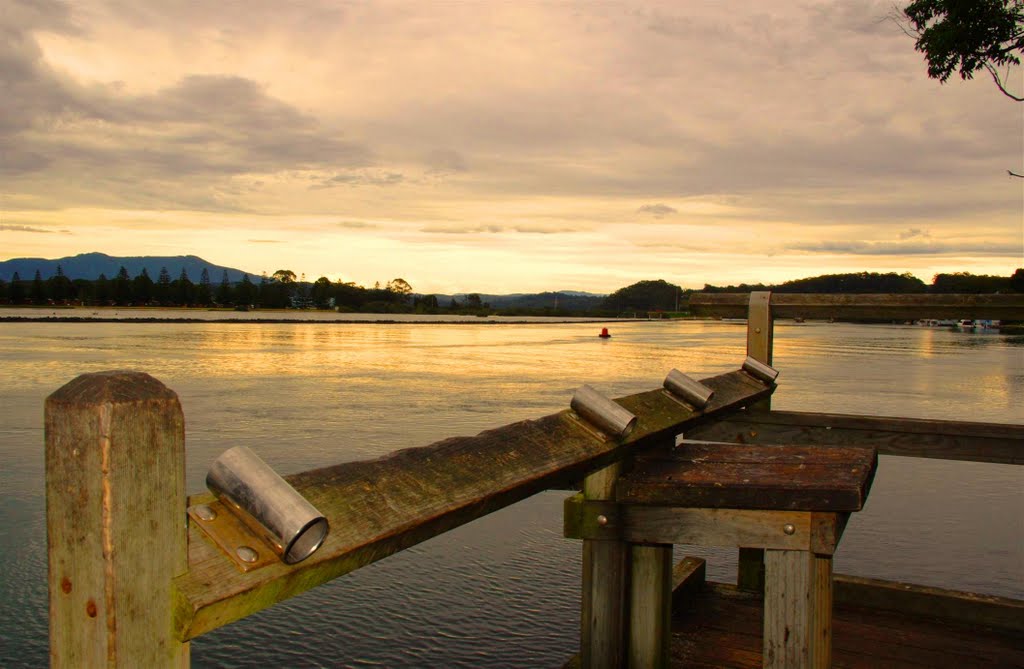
[379,507]
[650,606]
[884,307]
[605,571]
[115,521]
[797,610]
[783,530]
[908,437]
[935,603]
[688,577]
[752,477]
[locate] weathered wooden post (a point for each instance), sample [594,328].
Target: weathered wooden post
[605,561]
[115,519]
[760,336]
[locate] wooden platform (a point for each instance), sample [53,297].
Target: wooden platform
[721,627]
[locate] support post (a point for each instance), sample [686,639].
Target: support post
[115,521]
[605,564]
[797,610]
[650,606]
[760,335]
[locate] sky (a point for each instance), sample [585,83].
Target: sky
[502,147]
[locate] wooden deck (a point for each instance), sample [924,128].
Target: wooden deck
[719,626]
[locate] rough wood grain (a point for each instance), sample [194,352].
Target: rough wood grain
[650,606]
[908,437]
[638,523]
[379,507]
[605,575]
[936,603]
[864,306]
[797,610]
[688,577]
[752,477]
[116,529]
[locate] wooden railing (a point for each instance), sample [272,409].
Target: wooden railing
[131,581]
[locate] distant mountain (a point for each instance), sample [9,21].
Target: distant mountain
[566,300]
[91,265]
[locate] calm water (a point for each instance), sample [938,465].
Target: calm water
[502,591]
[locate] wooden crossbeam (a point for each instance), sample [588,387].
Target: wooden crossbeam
[910,437]
[864,306]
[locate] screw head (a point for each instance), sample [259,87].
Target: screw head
[789,528]
[602,520]
[246,554]
[757,330]
[204,512]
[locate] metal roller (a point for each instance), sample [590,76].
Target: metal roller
[760,371]
[267,504]
[689,390]
[602,412]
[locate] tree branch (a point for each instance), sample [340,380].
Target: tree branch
[995,78]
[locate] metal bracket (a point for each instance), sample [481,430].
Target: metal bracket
[593,519]
[227,532]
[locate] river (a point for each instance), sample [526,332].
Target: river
[501,591]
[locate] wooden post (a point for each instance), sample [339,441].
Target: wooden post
[760,335]
[115,521]
[797,610]
[650,606]
[602,635]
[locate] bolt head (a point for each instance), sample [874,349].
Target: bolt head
[788,528]
[204,512]
[246,554]
[602,520]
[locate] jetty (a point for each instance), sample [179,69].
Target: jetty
[137,567]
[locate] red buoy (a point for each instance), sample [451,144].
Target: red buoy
[604,333]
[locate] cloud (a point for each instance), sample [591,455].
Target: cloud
[544,230]
[4,227]
[914,232]
[909,249]
[361,178]
[355,225]
[265,241]
[462,229]
[657,210]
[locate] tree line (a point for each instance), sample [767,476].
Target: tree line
[283,290]
[661,295]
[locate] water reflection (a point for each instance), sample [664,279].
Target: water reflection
[308,395]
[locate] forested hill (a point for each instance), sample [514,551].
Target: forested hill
[91,265]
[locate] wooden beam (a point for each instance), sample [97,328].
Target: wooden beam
[688,577]
[379,507]
[865,306]
[650,606]
[773,477]
[115,521]
[797,610]
[606,564]
[938,603]
[909,437]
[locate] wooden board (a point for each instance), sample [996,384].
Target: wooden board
[379,507]
[718,475]
[864,306]
[909,437]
